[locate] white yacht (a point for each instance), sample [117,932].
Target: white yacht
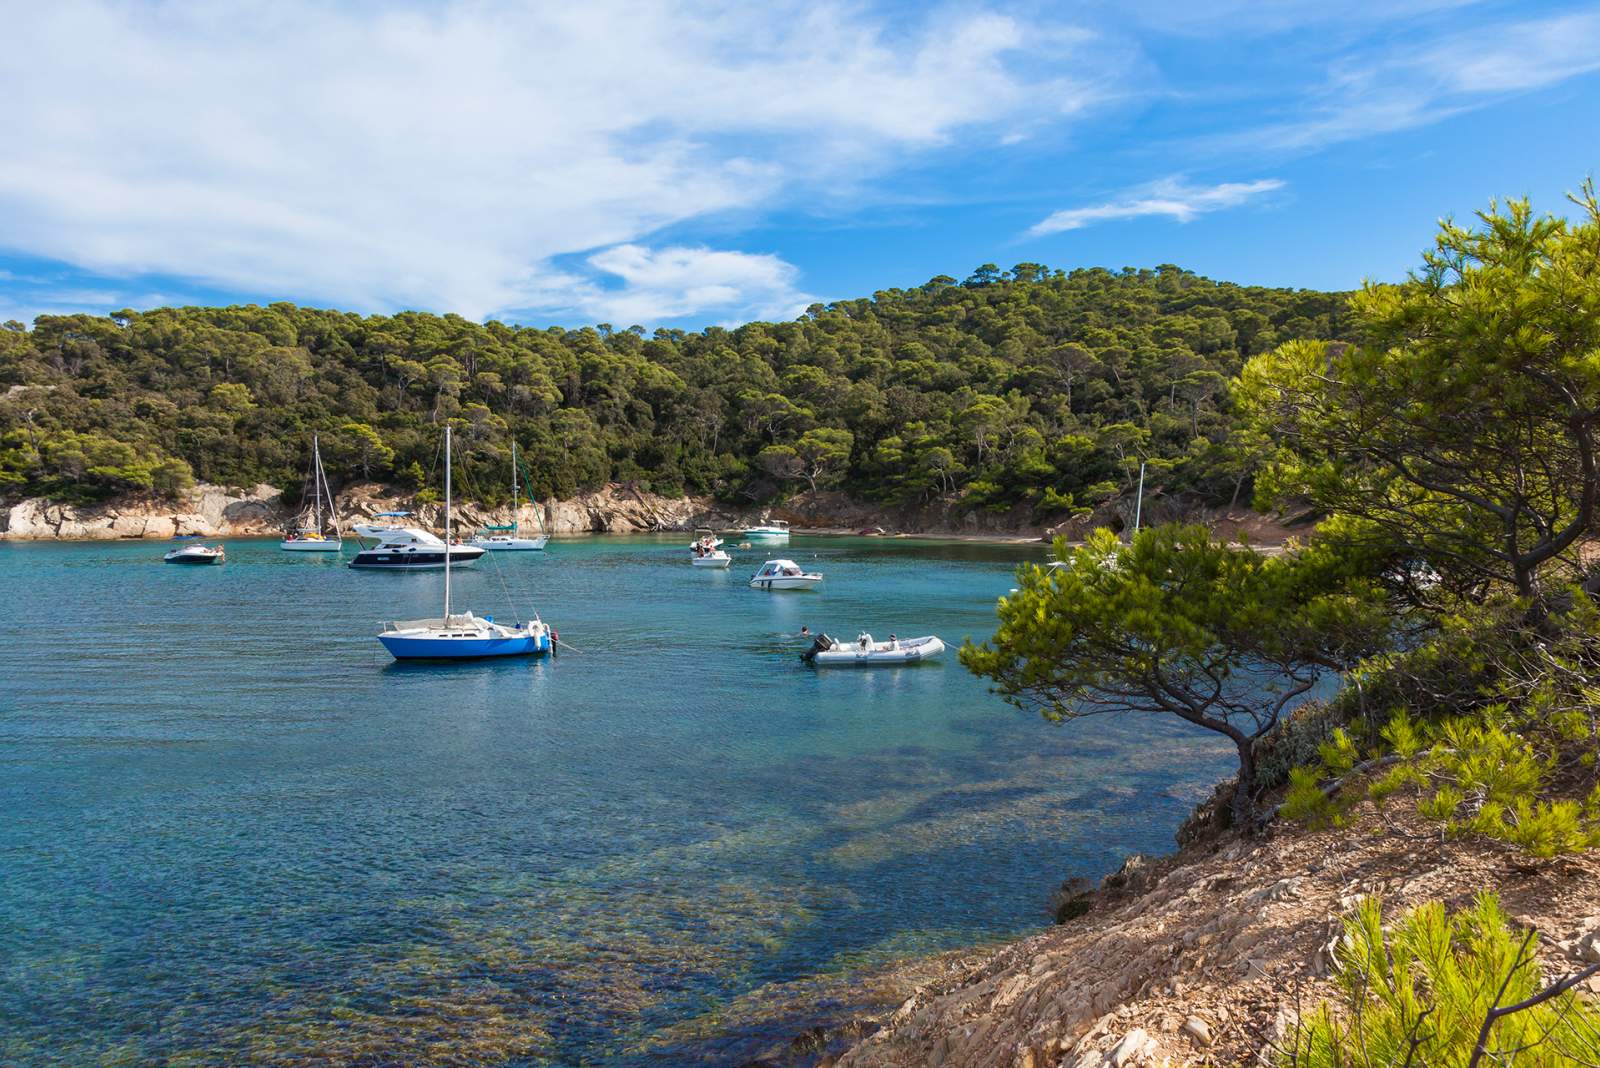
[784,575]
[772,530]
[312,539]
[409,549]
[504,538]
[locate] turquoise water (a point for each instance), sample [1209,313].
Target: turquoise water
[234,831]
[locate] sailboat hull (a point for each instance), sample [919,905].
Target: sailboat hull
[502,544]
[310,545]
[431,647]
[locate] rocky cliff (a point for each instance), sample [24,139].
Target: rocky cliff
[217,511]
[1207,957]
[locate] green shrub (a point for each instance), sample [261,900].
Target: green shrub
[1420,995]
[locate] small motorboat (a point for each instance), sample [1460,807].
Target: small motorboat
[773,530]
[705,538]
[864,652]
[784,575]
[710,558]
[195,554]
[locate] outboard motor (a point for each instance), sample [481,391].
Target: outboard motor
[822,643]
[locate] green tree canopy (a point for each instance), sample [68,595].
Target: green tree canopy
[1178,623]
[1464,423]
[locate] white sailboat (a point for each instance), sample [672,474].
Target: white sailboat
[312,539]
[462,636]
[504,538]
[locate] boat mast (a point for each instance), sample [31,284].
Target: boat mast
[1138,504]
[316,478]
[515,509]
[446,620]
[322,473]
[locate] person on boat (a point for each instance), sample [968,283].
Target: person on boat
[894,643]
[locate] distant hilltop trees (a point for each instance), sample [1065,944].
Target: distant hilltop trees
[1026,387]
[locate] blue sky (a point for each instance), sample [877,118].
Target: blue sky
[678,164]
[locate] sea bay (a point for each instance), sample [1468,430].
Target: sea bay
[236,831]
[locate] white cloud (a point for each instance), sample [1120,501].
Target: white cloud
[1171,197]
[1420,83]
[672,282]
[445,157]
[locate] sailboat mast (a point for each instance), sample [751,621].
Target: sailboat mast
[316,478]
[446,620]
[514,508]
[1138,504]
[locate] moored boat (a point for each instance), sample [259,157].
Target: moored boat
[195,554]
[772,530]
[784,575]
[864,652]
[410,549]
[504,537]
[312,539]
[711,558]
[705,538]
[462,636]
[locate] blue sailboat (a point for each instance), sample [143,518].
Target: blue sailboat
[463,636]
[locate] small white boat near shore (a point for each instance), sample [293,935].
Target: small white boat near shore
[505,537]
[705,538]
[773,530]
[195,554]
[312,539]
[784,575]
[864,652]
[712,558]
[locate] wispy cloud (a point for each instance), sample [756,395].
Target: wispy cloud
[448,156]
[667,283]
[1423,82]
[1171,197]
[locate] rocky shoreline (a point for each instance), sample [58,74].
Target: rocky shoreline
[231,512]
[1208,956]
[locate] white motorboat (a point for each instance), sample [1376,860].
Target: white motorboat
[409,549]
[195,554]
[864,652]
[463,636]
[312,539]
[705,538]
[784,575]
[504,538]
[772,530]
[377,529]
[710,558]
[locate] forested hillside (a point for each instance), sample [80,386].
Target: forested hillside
[1019,387]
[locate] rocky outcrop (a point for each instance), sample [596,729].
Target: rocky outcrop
[206,510]
[1206,957]
[216,511]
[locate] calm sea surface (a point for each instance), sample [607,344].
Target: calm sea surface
[233,830]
